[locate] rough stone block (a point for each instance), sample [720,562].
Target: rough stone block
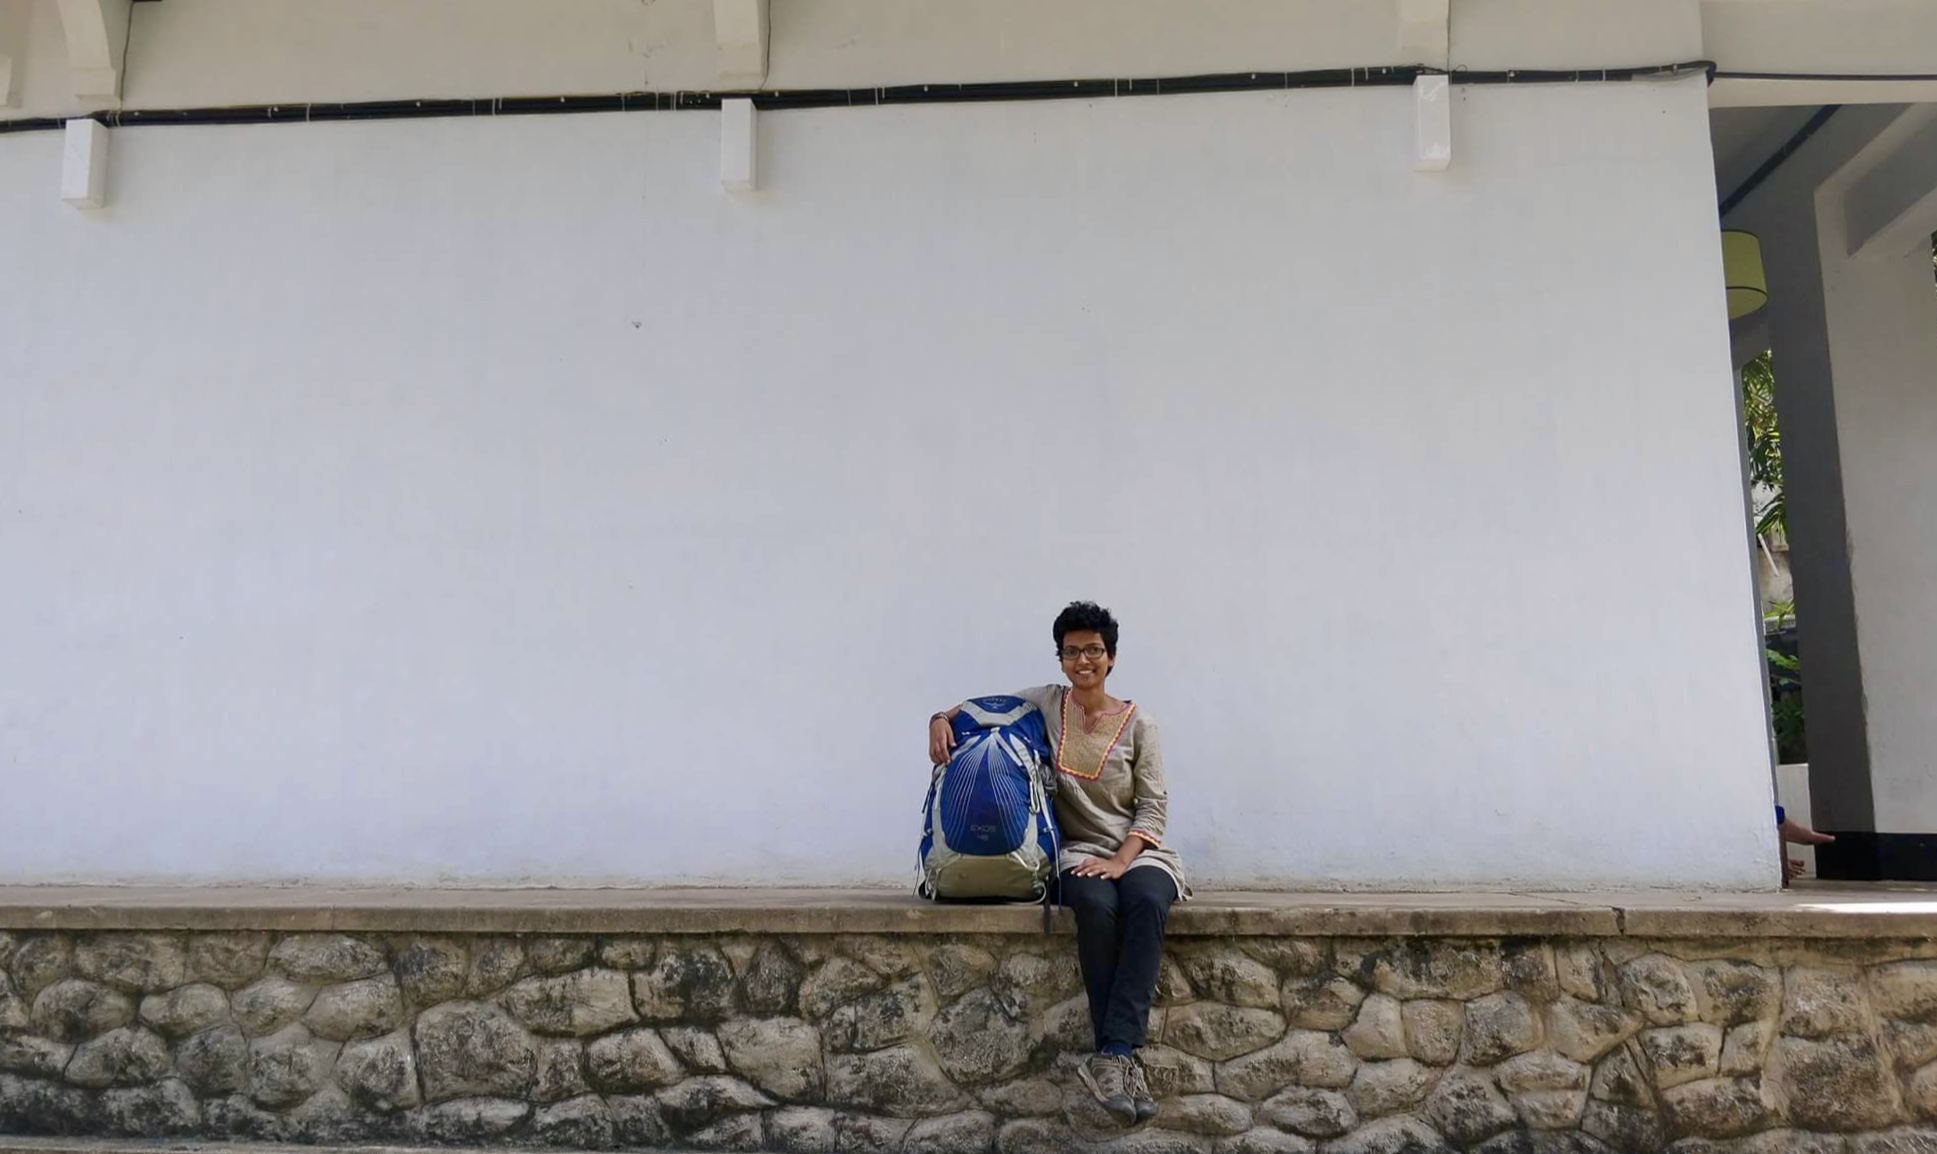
[1437,968]
[1628,1129]
[38,1106]
[889,957]
[1218,1032]
[1499,1026]
[1716,1108]
[577,1004]
[1379,1030]
[558,955]
[781,1056]
[1819,1003]
[356,1010]
[1303,1058]
[468,1121]
[1312,1113]
[696,1047]
[1067,1025]
[1026,981]
[686,984]
[771,984]
[1540,1071]
[975,1040]
[1320,1003]
[269,1004]
[135,963]
[380,1074]
[1039,1097]
[214,1062]
[185,1010]
[1836,1084]
[1579,970]
[1466,1108]
[636,1121]
[1906,990]
[431,969]
[560,1072]
[970,1132]
[801,1130]
[229,959]
[288,1066]
[1682,1054]
[325,958]
[1618,1079]
[1729,992]
[1292,957]
[495,964]
[1530,969]
[164,1110]
[866,1134]
[74,1010]
[837,982]
[1381,1088]
[470,1050]
[1744,1049]
[1398,1135]
[129,1056]
[881,1019]
[1657,987]
[1264,1140]
[631,1061]
[34,1056]
[1223,974]
[1584,1031]
[1172,1072]
[1549,1109]
[699,1102]
[582,1123]
[1434,1030]
[902,1081]
[40,960]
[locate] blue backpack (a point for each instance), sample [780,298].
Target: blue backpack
[989,832]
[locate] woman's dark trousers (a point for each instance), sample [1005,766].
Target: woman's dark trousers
[1120,942]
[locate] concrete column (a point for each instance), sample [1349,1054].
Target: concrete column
[1855,343]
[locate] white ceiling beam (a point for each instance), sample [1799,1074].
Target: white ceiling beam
[740,34]
[97,40]
[1893,207]
[1425,31]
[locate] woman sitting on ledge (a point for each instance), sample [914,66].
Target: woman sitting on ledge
[1116,874]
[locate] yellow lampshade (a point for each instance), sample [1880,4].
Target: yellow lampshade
[1742,269]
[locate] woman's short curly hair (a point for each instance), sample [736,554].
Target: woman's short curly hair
[1085,617]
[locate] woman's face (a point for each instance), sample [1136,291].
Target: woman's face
[1085,662]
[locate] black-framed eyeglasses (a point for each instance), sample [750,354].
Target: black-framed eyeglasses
[1072,653]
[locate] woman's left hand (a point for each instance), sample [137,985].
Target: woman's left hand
[1107,868]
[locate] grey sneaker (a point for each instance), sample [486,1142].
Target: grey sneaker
[1139,1088]
[1108,1079]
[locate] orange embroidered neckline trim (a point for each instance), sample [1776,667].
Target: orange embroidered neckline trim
[1130,710]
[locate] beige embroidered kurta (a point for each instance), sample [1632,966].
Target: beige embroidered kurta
[1097,807]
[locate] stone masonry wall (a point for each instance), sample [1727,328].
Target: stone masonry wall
[967,1043]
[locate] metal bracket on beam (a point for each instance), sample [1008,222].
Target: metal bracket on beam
[97,40]
[739,146]
[84,164]
[740,33]
[1432,98]
[1425,31]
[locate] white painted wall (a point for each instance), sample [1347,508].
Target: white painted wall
[500,501]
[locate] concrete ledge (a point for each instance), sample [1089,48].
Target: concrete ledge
[1824,911]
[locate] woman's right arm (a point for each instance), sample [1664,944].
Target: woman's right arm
[941,735]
